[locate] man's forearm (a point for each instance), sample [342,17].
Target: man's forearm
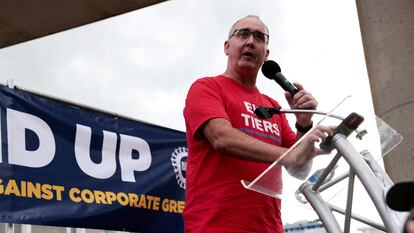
[224,137]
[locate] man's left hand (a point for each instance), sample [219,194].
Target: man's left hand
[302,100]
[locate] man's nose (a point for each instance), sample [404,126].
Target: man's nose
[250,39]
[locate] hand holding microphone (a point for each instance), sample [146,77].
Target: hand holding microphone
[297,98]
[303,100]
[271,70]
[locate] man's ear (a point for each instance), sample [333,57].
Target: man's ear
[226,47]
[266,55]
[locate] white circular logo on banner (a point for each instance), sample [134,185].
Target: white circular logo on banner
[179,162]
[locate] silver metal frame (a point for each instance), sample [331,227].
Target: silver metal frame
[372,177]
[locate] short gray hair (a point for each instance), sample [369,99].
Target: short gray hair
[247,16]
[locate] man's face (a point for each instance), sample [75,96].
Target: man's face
[247,45]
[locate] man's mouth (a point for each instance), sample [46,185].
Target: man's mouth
[249,54]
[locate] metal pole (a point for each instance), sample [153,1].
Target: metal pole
[333,182]
[9,228]
[349,199]
[365,175]
[326,172]
[359,218]
[320,206]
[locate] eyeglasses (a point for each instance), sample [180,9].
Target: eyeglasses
[245,33]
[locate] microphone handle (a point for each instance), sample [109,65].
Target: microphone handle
[285,84]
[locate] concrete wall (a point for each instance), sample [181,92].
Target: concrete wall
[387,28]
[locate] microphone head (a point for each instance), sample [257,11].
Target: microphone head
[262,113]
[270,68]
[401,196]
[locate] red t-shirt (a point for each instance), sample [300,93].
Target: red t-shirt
[216,201]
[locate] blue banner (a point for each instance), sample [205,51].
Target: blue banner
[66,165]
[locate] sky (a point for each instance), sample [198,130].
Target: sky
[141,64]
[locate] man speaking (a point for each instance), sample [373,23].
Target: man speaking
[228,143]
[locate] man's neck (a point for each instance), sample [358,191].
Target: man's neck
[248,80]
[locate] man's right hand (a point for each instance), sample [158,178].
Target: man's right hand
[306,149]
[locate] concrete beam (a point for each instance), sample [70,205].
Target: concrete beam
[23,20]
[387,28]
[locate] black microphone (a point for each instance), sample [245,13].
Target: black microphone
[271,70]
[266,113]
[401,196]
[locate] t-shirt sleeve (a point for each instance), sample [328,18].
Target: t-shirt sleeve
[204,102]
